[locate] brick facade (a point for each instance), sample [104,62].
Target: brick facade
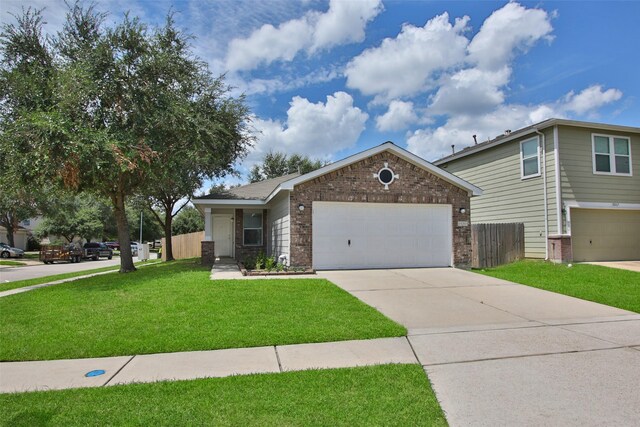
[243,251]
[355,183]
[208,256]
[560,248]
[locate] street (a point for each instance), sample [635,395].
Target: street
[11,274]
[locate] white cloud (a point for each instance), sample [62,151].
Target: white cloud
[317,130]
[459,130]
[508,30]
[343,23]
[399,115]
[406,64]
[433,143]
[590,99]
[470,91]
[268,44]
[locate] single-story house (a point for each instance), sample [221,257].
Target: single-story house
[382,208]
[20,237]
[575,186]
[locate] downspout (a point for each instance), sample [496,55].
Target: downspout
[556,158]
[544,189]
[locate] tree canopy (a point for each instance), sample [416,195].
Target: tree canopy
[277,164]
[132,112]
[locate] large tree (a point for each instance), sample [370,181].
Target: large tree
[127,100]
[277,164]
[26,75]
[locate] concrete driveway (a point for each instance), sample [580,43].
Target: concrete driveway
[499,353]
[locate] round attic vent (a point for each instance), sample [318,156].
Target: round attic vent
[386,176]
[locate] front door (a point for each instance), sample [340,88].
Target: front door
[222,235]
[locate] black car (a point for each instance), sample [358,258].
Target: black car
[95,250]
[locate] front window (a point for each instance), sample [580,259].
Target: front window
[530,158]
[611,155]
[252,228]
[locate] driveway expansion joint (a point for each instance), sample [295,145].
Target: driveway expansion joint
[523,356]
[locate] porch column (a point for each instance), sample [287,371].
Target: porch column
[208,227]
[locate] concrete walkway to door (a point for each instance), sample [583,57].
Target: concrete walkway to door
[499,353]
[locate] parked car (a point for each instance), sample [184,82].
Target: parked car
[7,251]
[95,250]
[134,248]
[113,245]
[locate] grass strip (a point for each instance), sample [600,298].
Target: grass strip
[176,307]
[379,395]
[46,279]
[12,263]
[609,286]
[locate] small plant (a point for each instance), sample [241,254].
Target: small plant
[261,260]
[270,263]
[249,263]
[279,267]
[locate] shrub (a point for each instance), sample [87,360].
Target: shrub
[270,263]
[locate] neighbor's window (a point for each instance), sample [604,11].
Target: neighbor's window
[611,155]
[252,224]
[530,158]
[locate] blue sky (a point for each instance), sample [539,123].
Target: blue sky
[331,78]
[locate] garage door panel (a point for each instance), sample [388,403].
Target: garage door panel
[605,234]
[381,235]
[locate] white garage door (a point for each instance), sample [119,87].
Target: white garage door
[381,235]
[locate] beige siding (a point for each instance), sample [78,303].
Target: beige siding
[580,184]
[506,197]
[279,225]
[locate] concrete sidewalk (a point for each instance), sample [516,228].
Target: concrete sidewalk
[499,353]
[63,374]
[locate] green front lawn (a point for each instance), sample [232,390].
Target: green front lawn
[610,286]
[381,395]
[174,306]
[40,280]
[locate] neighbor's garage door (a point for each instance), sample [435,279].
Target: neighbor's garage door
[605,235]
[381,235]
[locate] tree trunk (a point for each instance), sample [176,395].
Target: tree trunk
[168,249]
[11,226]
[126,258]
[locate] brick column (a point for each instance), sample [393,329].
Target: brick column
[208,253]
[560,248]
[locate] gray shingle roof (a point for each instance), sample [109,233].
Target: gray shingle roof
[255,191]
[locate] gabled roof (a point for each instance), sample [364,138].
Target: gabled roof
[501,139]
[255,191]
[387,146]
[260,193]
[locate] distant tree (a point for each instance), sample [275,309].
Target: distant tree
[132,106]
[277,164]
[189,220]
[16,205]
[73,216]
[151,230]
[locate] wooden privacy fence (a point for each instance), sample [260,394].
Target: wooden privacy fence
[496,244]
[185,245]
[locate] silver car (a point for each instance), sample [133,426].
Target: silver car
[7,251]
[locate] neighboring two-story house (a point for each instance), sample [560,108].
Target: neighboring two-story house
[575,186]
